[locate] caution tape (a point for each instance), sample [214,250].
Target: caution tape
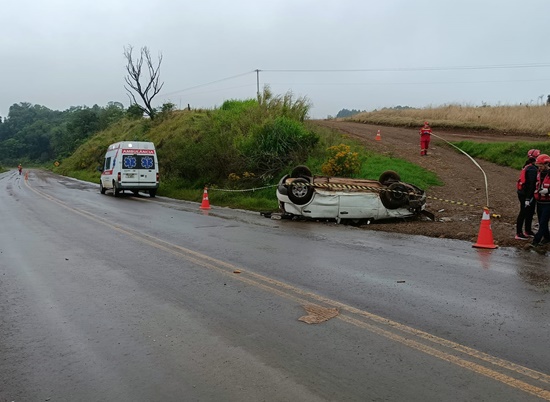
[241,190]
[353,187]
[358,187]
[454,202]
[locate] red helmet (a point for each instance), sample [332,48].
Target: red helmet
[542,159]
[533,153]
[426,123]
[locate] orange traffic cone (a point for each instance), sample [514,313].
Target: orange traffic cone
[485,236]
[205,203]
[378,138]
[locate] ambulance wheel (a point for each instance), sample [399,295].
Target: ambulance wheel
[152,193]
[101,188]
[116,191]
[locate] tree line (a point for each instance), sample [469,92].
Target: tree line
[37,134]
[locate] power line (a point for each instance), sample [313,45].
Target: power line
[391,69]
[397,69]
[402,83]
[213,90]
[208,83]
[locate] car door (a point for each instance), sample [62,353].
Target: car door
[358,205]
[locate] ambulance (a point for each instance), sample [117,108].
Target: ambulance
[132,166]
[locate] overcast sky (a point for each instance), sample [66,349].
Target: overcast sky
[419,53]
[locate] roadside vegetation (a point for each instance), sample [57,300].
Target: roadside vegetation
[34,134]
[523,119]
[241,149]
[512,154]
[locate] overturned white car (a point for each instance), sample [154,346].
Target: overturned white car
[322,197]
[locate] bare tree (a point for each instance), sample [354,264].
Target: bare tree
[151,85]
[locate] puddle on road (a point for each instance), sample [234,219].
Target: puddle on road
[532,268]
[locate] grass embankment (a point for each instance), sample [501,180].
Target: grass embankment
[243,145]
[533,120]
[247,145]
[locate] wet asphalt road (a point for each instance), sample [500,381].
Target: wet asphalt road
[138,299]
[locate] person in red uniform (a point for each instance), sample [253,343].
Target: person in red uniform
[425,136]
[542,195]
[526,189]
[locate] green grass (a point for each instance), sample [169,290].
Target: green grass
[214,147]
[171,136]
[84,175]
[259,200]
[512,154]
[372,165]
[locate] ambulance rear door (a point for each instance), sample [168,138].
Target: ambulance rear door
[129,170]
[147,167]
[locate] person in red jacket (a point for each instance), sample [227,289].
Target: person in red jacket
[542,195]
[425,136]
[526,189]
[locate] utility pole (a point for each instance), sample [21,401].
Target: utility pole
[258,84]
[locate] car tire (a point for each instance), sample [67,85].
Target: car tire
[152,193]
[101,188]
[300,192]
[281,188]
[116,191]
[389,176]
[395,196]
[300,171]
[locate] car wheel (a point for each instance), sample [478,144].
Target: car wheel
[389,176]
[281,188]
[116,191]
[395,196]
[300,192]
[300,171]
[152,193]
[101,188]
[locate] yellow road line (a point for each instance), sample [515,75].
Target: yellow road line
[380,325]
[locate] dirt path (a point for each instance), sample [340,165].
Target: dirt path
[464,182]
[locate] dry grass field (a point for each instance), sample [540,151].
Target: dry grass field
[517,120]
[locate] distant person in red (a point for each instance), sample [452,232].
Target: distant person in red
[425,136]
[20,168]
